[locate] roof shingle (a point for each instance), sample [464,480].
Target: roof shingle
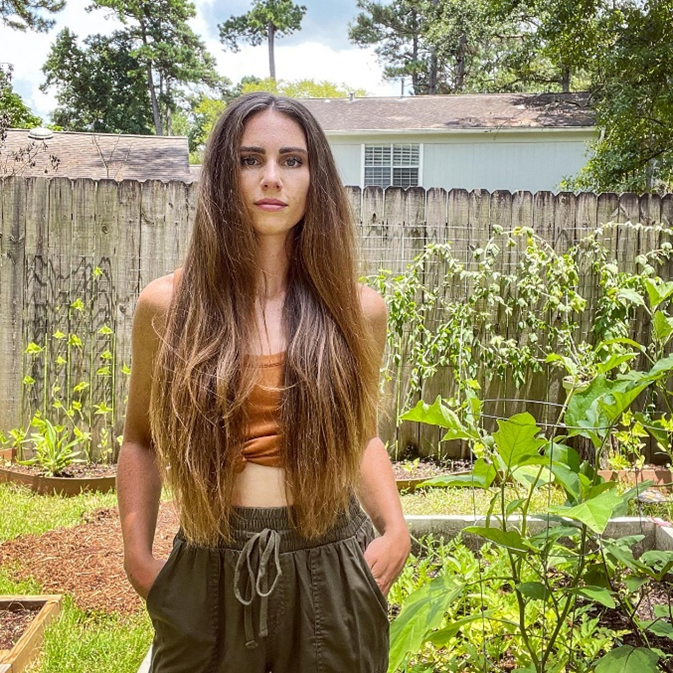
[98,155]
[464,111]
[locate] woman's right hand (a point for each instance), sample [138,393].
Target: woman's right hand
[142,574]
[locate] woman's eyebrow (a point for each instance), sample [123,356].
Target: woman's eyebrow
[283,150]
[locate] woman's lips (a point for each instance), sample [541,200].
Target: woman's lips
[271,205]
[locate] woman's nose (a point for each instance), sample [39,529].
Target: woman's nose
[271,176]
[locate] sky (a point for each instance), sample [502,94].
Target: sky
[321,50]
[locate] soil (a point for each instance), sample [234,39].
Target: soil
[405,469]
[85,561]
[13,623]
[76,470]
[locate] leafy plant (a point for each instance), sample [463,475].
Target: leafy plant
[559,565]
[54,448]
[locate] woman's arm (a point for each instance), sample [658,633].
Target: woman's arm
[138,481]
[378,492]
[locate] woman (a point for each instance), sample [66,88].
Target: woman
[253,393]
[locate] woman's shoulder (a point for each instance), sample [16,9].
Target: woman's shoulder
[155,297]
[374,310]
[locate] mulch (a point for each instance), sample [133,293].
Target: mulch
[85,561]
[13,623]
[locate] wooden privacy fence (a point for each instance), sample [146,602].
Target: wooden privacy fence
[75,254]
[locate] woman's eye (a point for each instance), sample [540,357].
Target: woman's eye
[292,162]
[248,161]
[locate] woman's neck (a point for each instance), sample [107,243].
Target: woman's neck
[274,264]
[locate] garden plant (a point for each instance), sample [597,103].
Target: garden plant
[531,598]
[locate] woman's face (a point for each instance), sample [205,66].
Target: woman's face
[274,172]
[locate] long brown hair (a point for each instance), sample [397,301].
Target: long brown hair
[203,374]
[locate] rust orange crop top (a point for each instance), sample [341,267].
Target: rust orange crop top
[262,433]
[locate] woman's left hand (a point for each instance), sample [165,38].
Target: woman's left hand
[386,556]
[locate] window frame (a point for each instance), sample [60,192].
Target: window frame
[392,166]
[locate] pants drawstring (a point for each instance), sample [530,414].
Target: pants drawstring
[255,556]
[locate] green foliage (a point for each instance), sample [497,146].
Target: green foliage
[560,564]
[169,53]
[72,416]
[634,104]
[100,87]
[52,447]
[516,318]
[566,568]
[302,88]
[18,113]
[27,14]
[266,20]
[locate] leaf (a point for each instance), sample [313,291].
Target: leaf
[633,584]
[659,628]
[421,613]
[594,513]
[535,590]
[517,439]
[510,539]
[629,296]
[482,476]
[442,637]
[438,414]
[598,595]
[628,659]
[660,368]
[663,326]
[533,477]
[658,291]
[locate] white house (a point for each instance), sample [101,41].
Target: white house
[473,141]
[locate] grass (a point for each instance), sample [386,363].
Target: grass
[25,512]
[80,642]
[469,501]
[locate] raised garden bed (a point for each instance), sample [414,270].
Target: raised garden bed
[97,480]
[409,474]
[23,620]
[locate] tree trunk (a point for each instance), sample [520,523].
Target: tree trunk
[150,85]
[169,121]
[432,80]
[414,73]
[565,79]
[158,126]
[272,58]
[460,65]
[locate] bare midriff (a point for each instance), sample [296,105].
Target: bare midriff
[260,486]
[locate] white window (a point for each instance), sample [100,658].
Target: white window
[392,165]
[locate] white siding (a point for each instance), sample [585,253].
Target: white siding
[527,160]
[512,165]
[348,162]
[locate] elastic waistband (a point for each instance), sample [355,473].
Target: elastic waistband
[248,521]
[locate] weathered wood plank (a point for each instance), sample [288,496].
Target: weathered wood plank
[12,255]
[375,234]
[440,383]
[36,289]
[106,371]
[154,206]
[125,233]
[60,294]
[627,236]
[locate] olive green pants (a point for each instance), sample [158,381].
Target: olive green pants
[271,601]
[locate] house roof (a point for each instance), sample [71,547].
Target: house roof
[97,156]
[453,112]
